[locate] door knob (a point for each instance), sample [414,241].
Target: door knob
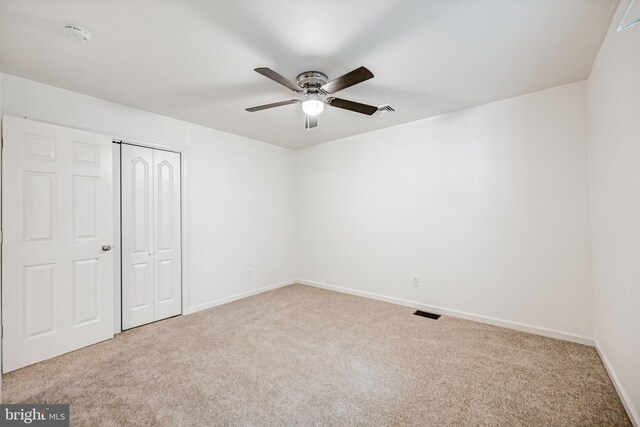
[106,248]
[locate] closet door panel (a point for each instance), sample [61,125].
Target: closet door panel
[167,235]
[137,236]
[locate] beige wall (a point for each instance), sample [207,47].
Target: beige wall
[614,153]
[487,206]
[240,196]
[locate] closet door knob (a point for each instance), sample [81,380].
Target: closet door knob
[106,248]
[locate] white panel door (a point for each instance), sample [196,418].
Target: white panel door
[151,236]
[57,281]
[167,235]
[137,235]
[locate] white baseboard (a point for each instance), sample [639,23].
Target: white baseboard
[210,304]
[566,336]
[624,397]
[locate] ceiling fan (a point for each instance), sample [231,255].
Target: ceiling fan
[316,90]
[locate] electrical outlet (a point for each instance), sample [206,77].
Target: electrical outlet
[250,273]
[416,281]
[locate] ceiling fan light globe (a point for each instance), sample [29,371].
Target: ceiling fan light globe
[312,107]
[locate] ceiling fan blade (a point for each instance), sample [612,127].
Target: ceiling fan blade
[310,122]
[352,78]
[279,78]
[352,106]
[273,105]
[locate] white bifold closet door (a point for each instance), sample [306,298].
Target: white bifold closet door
[151,235]
[57,220]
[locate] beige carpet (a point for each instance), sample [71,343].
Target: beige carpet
[305,356]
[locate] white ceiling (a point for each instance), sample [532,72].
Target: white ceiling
[194,60]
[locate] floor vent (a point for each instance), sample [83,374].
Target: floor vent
[427,314]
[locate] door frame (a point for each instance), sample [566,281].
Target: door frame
[184,240]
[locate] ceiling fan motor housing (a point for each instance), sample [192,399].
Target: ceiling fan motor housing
[311,81]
